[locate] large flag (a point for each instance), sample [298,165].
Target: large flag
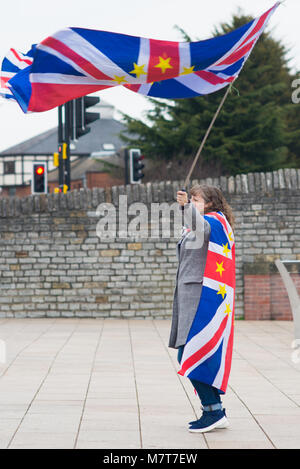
[74,62]
[207,353]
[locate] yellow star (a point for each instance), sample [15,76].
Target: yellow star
[164,64]
[119,80]
[187,70]
[138,70]
[226,250]
[220,268]
[229,236]
[227,310]
[222,291]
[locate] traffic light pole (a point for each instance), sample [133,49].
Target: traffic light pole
[73,120]
[68,133]
[126,165]
[60,142]
[65,131]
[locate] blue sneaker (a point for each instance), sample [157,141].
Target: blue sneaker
[209,420]
[196,421]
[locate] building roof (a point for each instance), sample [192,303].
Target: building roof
[104,131]
[83,165]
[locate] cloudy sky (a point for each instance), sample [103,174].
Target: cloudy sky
[24,22]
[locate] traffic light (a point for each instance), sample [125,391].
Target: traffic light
[64,189]
[83,118]
[56,159]
[64,151]
[39,178]
[135,166]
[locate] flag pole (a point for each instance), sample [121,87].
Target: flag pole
[187,179]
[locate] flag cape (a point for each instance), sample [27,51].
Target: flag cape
[75,62]
[208,350]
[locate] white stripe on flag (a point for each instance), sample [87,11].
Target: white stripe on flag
[58,78]
[144,57]
[215,285]
[7,74]
[206,334]
[204,358]
[203,337]
[260,31]
[15,61]
[184,55]
[248,32]
[99,60]
[198,84]
[62,57]
[144,89]
[219,376]
[236,45]
[214,247]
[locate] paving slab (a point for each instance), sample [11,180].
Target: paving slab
[113,383]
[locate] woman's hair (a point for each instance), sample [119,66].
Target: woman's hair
[219,203]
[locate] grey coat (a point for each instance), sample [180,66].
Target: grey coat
[191,253]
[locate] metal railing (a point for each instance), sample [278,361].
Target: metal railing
[291,291]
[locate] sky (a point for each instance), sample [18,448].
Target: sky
[25,22]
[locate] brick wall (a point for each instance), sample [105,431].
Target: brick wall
[279,306]
[21,191]
[265,297]
[54,264]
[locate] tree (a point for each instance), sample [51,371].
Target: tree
[257,130]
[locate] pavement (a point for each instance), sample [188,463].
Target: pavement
[111,383]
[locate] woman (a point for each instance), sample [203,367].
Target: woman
[203,306]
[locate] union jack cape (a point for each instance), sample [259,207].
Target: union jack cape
[207,353]
[75,62]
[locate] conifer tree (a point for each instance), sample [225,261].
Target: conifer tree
[257,130]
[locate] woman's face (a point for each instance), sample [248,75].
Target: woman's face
[199,202]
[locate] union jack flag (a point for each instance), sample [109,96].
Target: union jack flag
[74,62]
[207,353]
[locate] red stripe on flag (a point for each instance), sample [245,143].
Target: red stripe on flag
[78,59]
[193,359]
[212,78]
[228,275]
[132,87]
[258,26]
[228,357]
[237,55]
[27,61]
[4,80]
[47,96]
[163,61]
